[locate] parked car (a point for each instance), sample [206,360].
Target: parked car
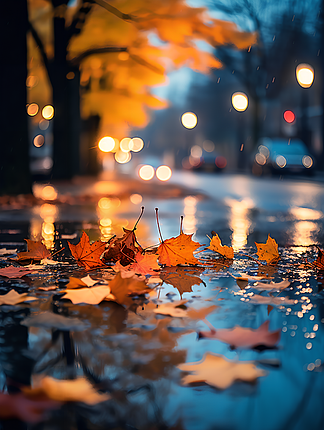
[280,155]
[206,162]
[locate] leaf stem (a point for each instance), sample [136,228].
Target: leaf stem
[181,224]
[140,216]
[158,224]
[57,251]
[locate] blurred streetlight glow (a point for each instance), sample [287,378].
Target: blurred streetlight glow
[196,151]
[163,173]
[122,157]
[305,75]
[39,140]
[146,172]
[189,120]
[106,144]
[124,144]
[32,109]
[136,144]
[240,101]
[136,199]
[48,112]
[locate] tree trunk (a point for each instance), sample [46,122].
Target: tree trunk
[14,158]
[66,102]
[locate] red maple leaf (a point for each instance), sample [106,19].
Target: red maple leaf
[86,254]
[36,250]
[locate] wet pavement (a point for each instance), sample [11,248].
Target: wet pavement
[134,356]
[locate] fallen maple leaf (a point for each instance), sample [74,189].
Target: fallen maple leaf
[181,278]
[268,251]
[241,337]
[219,372]
[92,296]
[86,254]
[14,272]
[178,250]
[87,281]
[144,264]
[266,300]
[75,390]
[36,250]
[216,245]
[319,262]
[13,298]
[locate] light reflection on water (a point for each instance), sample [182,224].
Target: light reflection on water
[239,221]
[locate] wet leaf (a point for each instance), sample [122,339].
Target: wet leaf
[14,272]
[144,264]
[87,281]
[13,298]
[86,254]
[123,288]
[272,285]
[178,250]
[219,372]
[75,390]
[36,250]
[319,262]
[216,245]
[268,300]
[241,337]
[268,251]
[92,296]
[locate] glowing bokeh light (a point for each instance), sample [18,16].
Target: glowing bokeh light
[146,172]
[106,144]
[43,124]
[48,193]
[32,109]
[221,162]
[208,146]
[136,144]
[281,161]
[104,203]
[122,157]
[39,140]
[163,173]
[260,159]
[124,144]
[105,222]
[305,75]
[289,116]
[307,161]
[31,81]
[136,199]
[196,151]
[189,120]
[70,75]
[240,101]
[48,112]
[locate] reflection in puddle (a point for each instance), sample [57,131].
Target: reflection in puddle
[45,230]
[306,213]
[304,232]
[190,220]
[239,221]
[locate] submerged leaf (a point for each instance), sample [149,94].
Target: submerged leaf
[14,272]
[13,298]
[219,372]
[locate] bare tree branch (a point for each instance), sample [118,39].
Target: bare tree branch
[108,49]
[115,11]
[41,48]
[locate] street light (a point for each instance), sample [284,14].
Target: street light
[240,101]
[305,75]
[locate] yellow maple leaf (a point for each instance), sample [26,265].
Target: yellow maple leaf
[216,245]
[268,251]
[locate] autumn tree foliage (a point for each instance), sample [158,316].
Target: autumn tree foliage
[103,56]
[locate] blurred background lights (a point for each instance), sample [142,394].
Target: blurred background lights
[208,146]
[221,162]
[106,144]
[281,161]
[305,75]
[136,144]
[163,173]
[105,222]
[104,203]
[48,112]
[122,157]
[39,140]
[289,116]
[240,101]
[48,193]
[32,109]
[136,199]
[43,124]
[189,120]
[260,159]
[196,151]
[146,172]
[307,161]
[31,81]
[124,144]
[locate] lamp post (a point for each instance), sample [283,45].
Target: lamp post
[240,103]
[305,78]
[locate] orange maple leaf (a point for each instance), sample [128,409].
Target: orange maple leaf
[178,250]
[268,251]
[36,250]
[319,262]
[124,288]
[86,254]
[216,245]
[145,264]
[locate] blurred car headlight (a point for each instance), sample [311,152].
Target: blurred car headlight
[281,161]
[307,161]
[260,158]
